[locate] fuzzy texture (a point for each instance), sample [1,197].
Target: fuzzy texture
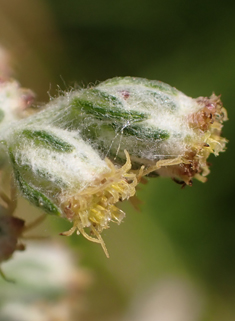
[160,127]
[144,127]
[61,174]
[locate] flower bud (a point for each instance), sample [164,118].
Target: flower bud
[160,127]
[61,174]
[14,103]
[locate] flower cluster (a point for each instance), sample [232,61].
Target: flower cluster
[88,149]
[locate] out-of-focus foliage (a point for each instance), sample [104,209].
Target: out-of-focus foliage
[178,234]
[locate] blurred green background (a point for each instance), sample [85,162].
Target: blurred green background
[180,237]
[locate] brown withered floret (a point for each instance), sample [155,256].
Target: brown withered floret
[212,110]
[207,123]
[12,229]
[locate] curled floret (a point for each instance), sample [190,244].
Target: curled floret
[94,207]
